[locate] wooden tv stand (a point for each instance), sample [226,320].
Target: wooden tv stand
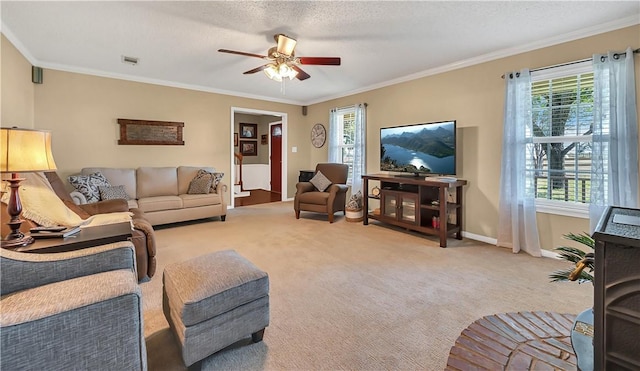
[413,202]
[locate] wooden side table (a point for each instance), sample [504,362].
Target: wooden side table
[87,237]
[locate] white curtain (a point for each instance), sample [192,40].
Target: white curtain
[334,136]
[359,152]
[517,226]
[614,181]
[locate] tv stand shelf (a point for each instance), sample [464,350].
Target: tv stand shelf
[414,202]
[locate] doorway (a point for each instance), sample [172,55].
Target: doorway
[276,175]
[275,156]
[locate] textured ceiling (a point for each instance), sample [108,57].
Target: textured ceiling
[380,42]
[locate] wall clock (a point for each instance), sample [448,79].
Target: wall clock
[318,135]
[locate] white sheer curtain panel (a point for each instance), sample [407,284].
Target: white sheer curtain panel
[334,137]
[359,150]
[517,226]
[614,182]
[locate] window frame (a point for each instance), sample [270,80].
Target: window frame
[559,207]
[341,146]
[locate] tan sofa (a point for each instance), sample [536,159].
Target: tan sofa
[161,193]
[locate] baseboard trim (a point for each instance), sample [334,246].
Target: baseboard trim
[493,241]
[477,237]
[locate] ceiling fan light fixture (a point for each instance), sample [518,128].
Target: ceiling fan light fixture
[272,72]
[285,70]
[278,72]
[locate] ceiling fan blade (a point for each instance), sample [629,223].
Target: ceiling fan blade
[257,69]
[301,74]
[242,53]
[326,61]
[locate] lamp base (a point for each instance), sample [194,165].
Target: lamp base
[17,242]
[15,238]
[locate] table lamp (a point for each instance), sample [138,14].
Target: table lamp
[22,150]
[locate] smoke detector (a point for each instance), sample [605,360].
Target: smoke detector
[130,60]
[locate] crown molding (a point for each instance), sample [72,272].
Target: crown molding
[86,71]
[6,31]
[508,52]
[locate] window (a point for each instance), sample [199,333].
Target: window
[559,139]
[346,140]
[347,143]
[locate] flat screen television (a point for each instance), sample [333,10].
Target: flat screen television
[421,149]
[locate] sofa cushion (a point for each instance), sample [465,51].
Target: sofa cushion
[314,198]
[156,181]
[186,175]
[159,203]
[113,193]
[200,200]
[117,176]
[88,185]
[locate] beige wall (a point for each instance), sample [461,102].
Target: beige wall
[474,96]
[82,111]
[17,93]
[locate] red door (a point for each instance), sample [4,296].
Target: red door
[276,157]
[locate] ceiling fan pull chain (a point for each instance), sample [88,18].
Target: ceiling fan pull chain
[282,87]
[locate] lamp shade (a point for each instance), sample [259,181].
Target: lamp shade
[25,150]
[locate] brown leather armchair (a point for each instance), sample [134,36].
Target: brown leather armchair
[333,199]
[143,235]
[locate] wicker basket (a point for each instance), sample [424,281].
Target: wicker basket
[353,215]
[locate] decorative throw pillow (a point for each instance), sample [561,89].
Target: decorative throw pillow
[320,181]
[112,193]
[217,177]
[88,185]
[200,185]
[355,201]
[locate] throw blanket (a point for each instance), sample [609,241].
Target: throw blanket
[41,204]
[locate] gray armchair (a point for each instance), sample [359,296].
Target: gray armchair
[78,310]
[329,201]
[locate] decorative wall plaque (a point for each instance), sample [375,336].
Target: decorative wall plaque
[150,132]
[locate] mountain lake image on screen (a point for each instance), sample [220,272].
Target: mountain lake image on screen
[428,148]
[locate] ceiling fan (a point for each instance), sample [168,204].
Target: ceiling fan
[282,60]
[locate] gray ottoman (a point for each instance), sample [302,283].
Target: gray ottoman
[213,301]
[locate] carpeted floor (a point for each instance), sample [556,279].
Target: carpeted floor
[345,296]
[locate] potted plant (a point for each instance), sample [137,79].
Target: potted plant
[581,271]
[582,260]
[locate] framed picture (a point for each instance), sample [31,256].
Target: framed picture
[264,139]
[249,131]
[249,147]
[235,139]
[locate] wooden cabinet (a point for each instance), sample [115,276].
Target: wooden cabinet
[399,206]
[430,206]
[616,307]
